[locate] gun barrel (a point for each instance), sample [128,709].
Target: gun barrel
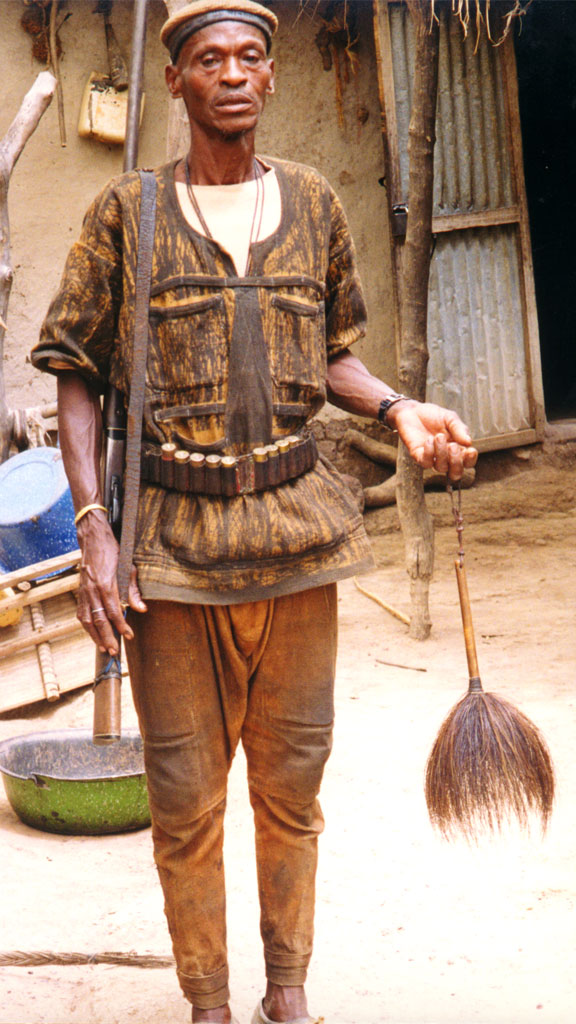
[108,673]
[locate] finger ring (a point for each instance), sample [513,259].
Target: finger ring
[94,610]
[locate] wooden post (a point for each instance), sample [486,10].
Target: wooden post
[415,519]
[34,104]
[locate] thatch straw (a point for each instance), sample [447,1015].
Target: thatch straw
[484,13]
[489,764]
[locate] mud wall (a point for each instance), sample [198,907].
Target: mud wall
[52,185]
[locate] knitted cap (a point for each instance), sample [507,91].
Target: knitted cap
[194,16]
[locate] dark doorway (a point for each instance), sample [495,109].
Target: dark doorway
[546,58]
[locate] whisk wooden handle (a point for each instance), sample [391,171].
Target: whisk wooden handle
[469,640]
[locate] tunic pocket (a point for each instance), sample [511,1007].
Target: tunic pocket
[188,345]
[297,344]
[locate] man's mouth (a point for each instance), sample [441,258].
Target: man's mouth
[234,101]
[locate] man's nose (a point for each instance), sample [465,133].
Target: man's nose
[233,71]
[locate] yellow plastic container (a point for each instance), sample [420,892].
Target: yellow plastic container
[103,110]
[9,616]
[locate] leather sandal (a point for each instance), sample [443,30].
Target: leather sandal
[260,1017]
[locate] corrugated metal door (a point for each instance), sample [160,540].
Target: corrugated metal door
[482,324]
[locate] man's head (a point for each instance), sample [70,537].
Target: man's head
[196,15]
[220,65]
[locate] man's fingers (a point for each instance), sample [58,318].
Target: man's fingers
[97,623]
[86,621]
[101,614]
[134,596]
[448,458]
[470,457]
[455,461]
[456,429]
[437,439]
[422,451]
[102,617]
[441,459]
[102,623]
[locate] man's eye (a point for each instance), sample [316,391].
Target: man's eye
[252,58]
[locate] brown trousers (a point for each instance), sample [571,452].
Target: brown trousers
[204,677]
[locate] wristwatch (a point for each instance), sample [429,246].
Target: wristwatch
[387,403]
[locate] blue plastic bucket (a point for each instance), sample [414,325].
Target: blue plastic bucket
[36,510]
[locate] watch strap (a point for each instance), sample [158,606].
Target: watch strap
[387,403]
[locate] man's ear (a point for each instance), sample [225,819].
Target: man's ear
[172,76]
[271,89]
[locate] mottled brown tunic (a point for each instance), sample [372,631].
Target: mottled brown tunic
[233,362]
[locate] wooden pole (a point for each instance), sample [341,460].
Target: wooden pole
[415,519]
[55,68]
[44,655]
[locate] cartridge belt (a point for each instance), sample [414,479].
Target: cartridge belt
[196,473]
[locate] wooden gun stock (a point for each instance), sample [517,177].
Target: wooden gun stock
[107,727]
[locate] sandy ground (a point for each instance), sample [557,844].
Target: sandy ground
[410,930]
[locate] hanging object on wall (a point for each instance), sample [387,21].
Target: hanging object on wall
[40,21]
[116,63]
[336,41]
[105,100]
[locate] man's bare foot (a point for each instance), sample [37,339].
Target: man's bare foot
[285,1002]
[219,1015]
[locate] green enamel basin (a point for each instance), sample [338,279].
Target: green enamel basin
[61,782]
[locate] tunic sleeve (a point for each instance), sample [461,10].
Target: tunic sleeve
[345,307]
[80,327]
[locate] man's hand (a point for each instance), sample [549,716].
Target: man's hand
[99,608]
[80,432]
[435,437]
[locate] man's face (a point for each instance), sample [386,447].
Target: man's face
[223,75]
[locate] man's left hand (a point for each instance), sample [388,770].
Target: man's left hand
[435,437]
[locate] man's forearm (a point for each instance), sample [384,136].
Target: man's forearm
[353,388]
[80,435]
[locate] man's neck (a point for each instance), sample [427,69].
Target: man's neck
[220,161]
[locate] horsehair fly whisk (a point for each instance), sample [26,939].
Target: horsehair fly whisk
[489,762]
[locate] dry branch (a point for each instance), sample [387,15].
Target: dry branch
[35,102]
[387,607]
[385,493]
[377,451]
[33,106]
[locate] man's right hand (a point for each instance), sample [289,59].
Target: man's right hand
[80,433]
[99,608]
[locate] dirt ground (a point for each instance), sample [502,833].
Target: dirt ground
[410,930]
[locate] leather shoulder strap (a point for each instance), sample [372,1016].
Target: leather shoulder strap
[138,380]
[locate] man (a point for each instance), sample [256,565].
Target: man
[231,627]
